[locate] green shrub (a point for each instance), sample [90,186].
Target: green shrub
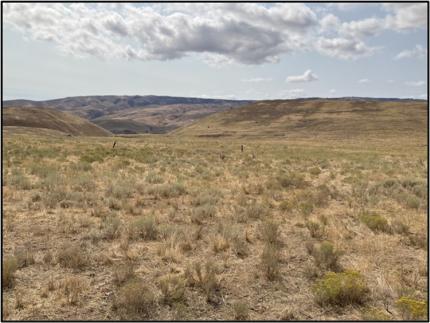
[8,273]
[341,289]
[412,309]
[167,190]
[375,222]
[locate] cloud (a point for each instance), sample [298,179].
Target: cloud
[218,33]
[258,79]
[416,84]
[406,15]
[307,76]
[332,91]
[363,28]
[229,32]
[364,81]
[344,48]
[417,52]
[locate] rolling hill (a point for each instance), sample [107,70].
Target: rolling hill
[46,118]
[311,118]
[135,114]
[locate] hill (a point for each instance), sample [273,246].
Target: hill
[50,119]
[135,114]
[312,118]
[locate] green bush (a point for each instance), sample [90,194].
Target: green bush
[375,222]
[341,289]
[412,309]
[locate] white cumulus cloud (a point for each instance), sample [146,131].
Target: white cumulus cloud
[307,76]
[417,52]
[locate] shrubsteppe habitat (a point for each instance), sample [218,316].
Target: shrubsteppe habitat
[216,161]
[307,209]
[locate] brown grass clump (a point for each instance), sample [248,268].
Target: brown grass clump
[72,256]
[24,257]
[173,288]
[241,311]
[10,265]
[73,288]
[145,228]
[135,301]
[204,277]
[326,256]
[270,261]
[123,273]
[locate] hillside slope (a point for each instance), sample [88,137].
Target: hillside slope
[136,114]
[51,119]
[322,118]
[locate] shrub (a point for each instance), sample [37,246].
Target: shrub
[167,190]
[270,261]
[269,232]
[201,213]
[292,180]
[375,314]
[123,273]
[375,222]
[286,205]
[73,288]
[121,189]
[256,211]
[145,228]
[19,180]
[173,288]
[111,227]
[135,301]
[24,257]
[203,277]
[240,247]
[8,273]
[315,171]
[153,178]
[412,309]
[316,229]
[326,257]
[241,311]
[72,256]
[220,243]
[341,289]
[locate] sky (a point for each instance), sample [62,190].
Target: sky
[219,50]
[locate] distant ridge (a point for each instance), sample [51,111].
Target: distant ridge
[46,118]
[136,114]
